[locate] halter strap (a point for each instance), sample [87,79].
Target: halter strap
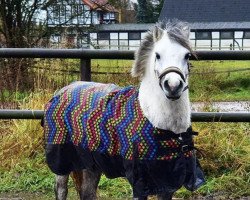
[172,69]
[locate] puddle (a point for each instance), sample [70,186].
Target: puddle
[239,106]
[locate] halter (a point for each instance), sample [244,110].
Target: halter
[169,70]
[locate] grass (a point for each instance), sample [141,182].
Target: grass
[226,162]
[22,166]
[205,83]
[226,145]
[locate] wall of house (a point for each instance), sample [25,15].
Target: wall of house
[221,40]
[68,23]
[200,40]
[117,40]
[72,14]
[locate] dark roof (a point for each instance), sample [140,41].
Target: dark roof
[219,25]
[123,27]
[207,10]
[193,26]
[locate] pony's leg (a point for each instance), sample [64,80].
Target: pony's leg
[165,196]
[61,187]
[89,184]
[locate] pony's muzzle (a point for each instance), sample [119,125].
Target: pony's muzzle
[172,85]
[172,82]
[173,89]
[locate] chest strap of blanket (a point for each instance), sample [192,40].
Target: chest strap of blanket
[185,141]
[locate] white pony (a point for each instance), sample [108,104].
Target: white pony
[143,134]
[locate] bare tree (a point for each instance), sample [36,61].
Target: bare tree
[19,27]
[23,23]
[19,22]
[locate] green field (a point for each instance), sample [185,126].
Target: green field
[220,81]
[226,145]
[209,80]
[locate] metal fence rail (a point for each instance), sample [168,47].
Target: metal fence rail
[196,116]
[85,55]
[64,53]
[109,54]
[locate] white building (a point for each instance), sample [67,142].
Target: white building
[71,20]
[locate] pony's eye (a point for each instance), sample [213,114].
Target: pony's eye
[157,56]
[187,56]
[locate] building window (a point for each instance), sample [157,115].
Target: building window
[238,34]
[103,36]
[246,44]
[246,35]
[114,44]
[192,35]
[56,11]
[123,44]
[215,44]
[106,16]
[203,35]
[114,36]
[103,44]
[226,34]
[203,44]
[62,10]
[134,44]
[134,36]
[93,36]
[143,34]
[227,44]
[123,36]
[109,16]
[216,35]
[74,9]
[81,9]
[112,15]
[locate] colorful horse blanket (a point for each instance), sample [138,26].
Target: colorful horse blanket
[101,126]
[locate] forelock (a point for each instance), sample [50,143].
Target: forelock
[177,31]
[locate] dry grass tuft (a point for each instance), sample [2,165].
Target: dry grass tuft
[22,138]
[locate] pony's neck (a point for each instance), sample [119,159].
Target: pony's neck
[162,112]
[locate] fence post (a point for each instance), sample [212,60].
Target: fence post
[85,69]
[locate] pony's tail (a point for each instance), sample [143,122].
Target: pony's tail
[77,177]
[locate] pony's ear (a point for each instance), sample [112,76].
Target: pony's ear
[157,33]
[186,31]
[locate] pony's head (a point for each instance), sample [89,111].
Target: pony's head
[163,58]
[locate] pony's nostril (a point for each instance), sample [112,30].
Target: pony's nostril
[166,85]
[180,85]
